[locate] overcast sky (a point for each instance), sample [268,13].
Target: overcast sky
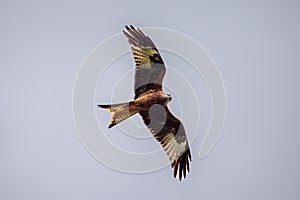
[255,46]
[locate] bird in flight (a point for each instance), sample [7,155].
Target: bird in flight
[151,103]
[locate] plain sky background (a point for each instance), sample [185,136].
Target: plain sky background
[255,45]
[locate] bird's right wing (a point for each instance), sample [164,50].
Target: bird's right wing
[150,69]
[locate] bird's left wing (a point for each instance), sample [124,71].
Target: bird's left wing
[170,133]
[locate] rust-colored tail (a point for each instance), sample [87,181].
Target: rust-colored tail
[120,112]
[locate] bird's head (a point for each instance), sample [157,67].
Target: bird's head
[169,97]
[166,98]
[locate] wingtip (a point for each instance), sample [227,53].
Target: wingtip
[181,166]
[130,27]
[189,155]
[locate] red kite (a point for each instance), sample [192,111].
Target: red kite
[151,102]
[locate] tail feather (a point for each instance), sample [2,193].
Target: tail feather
[104,106]
[120,112]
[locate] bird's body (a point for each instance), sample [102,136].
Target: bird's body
[151,97]
[151,102]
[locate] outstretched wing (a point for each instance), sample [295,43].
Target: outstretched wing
[169,131]
[150,69]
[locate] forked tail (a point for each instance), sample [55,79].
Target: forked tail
[120,112]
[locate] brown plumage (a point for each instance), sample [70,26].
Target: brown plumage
[151,102]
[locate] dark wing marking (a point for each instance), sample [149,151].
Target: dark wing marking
[169,131]
[150,69]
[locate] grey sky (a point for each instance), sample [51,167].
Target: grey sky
[255,46]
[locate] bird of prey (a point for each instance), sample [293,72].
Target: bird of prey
[151,103]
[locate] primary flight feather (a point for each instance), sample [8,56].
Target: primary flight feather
[151,102]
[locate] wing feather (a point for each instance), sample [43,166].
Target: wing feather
[150,69]
[170,133]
